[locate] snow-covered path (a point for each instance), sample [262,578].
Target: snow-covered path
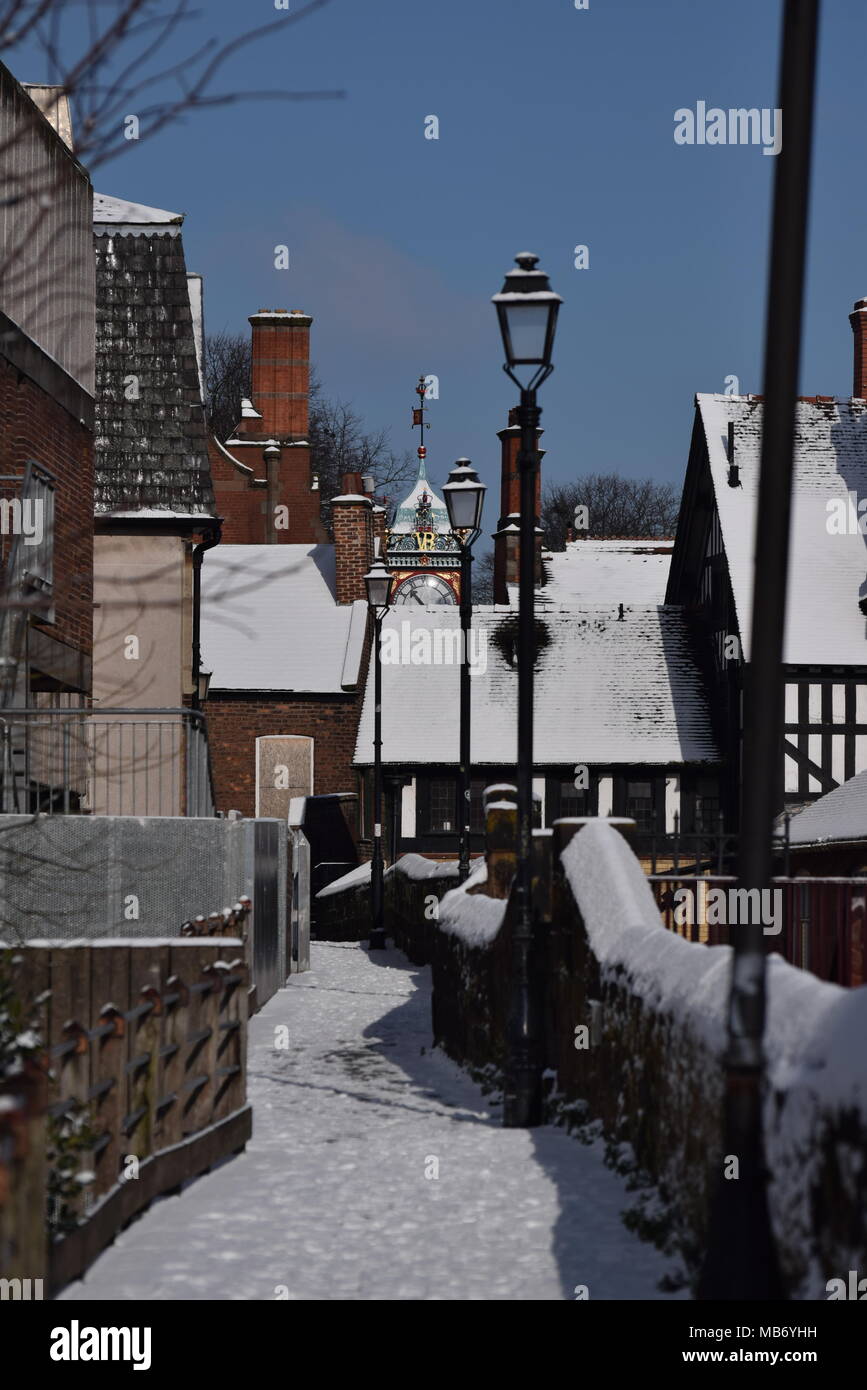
[331,1198]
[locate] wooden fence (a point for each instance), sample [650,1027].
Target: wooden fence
[822,921]
[142,1085]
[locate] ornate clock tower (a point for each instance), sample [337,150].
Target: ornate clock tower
[421,549]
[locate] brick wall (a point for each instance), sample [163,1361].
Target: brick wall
[507,548]
[352,518]
[35,426]
[281,374]
[236,721]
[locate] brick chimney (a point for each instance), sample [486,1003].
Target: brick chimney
[507,548]
[281,375]
[858,320]
[352,517]
[262,479]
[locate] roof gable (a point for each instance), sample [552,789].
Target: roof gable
[827,571]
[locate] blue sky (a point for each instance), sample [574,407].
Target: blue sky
[556,129]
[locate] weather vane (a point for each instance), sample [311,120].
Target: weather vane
[423,424]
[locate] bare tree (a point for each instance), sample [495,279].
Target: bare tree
[616,506]
[109,58]
[228,367]
[340,443]
[483,578]
[114,71]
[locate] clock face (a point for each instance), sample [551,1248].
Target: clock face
[424,589]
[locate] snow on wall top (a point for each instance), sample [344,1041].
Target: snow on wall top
[839,815]
[625,929]
[356,878]
[270,620]
[606,691]
[827,573]
[472,917]
[607,571]
[812,1028]
[418,868]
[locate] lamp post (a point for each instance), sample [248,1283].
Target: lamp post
[741,1261]
[527,310]
[465,499]
[377,581]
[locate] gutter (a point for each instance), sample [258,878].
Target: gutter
[215,525]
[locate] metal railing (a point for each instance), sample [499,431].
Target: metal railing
[819,923]
[111,762]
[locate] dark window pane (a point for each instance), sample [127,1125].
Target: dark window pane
[441,804]
[572,801]
[707,805]
[639,804]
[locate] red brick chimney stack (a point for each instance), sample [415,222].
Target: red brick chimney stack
[263,482]
[506,538]
[281,374]
[858,320]
[352,516]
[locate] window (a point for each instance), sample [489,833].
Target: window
[707,806]
[440,805]
[639,804]
[571,801]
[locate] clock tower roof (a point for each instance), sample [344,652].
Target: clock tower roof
[406,517]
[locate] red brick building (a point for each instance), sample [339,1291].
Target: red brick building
[284,613]
[46,407]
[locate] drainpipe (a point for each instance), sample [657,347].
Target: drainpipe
[272,455]
[214,524]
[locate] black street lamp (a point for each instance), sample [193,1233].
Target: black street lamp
[527,310]
[465,499]
[378,582]
[741,1261]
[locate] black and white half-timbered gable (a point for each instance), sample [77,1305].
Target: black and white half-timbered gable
[825,648]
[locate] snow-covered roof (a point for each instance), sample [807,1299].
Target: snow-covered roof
[609,571]
[270,620]
[119,212]
[839,815]
[405,516]
[606,691]
[827,572]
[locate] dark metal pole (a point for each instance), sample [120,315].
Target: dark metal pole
[522,1101]
[377,931]
[464,783]
[741,1259]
